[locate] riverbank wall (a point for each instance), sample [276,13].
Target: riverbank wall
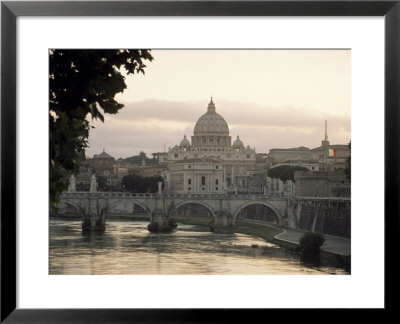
[331,218]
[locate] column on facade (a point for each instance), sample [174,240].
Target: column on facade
[223,179]
[233,181]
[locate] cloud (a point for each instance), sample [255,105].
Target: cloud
[150,124]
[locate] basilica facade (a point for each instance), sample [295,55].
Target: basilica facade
[210,162]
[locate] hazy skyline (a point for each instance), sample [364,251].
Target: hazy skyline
[271,98]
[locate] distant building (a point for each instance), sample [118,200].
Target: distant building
[210,163]
[104,165]
[163,158]
[82,182]
[311,183]
[322,183]
[276,155]
[150,170]
[330,179]
[122,169]
[103,162]
[203,175]
[331,153]
[339,184]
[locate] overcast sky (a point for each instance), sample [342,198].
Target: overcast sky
[271,98]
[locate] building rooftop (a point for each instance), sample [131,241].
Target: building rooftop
[301,148]
[103,155]
[199,160]
[295,159]
[336,146]
[211,122]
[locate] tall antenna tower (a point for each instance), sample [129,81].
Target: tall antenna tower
[325,141]
[326,130]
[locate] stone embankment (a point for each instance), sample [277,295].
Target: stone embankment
[290,238]
[324,216]
[333,244]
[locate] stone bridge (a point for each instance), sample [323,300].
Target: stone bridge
[224,208]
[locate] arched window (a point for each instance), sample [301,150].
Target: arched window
[203,181]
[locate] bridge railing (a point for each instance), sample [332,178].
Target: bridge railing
[196,196]
[86,194]
[344,199]
[205,196]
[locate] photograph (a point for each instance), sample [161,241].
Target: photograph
[190,161]
[199,161]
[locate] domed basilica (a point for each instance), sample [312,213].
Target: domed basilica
[210,163]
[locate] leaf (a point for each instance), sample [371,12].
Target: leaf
[81,82]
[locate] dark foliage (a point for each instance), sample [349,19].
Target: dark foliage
[309,246]
[343,262]
[138,159]
[82,84]
[101,182]
[137,184]
[285,172]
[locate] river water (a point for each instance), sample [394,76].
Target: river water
[127,247]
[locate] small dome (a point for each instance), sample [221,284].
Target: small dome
[237,143]
[211,122]
[185,142]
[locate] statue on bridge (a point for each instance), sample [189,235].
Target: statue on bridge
[93,184]
[71,186]
[159,187]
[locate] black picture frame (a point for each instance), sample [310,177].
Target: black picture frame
[10,10]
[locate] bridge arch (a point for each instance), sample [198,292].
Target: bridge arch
[145,208]
[208,207]
[257,202]
[72,204]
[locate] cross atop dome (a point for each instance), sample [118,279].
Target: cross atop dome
[211,106]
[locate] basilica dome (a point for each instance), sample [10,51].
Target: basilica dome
[185,142]
[237,143]
[211,123]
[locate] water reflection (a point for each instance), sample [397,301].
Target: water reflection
[127,247]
